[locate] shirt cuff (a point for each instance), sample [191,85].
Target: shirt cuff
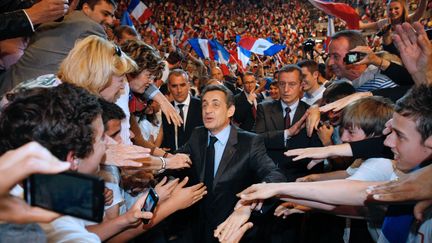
[31,24]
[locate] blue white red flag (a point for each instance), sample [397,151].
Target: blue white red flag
[260,46]
[139,10]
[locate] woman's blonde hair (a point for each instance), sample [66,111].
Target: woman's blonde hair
[92,63]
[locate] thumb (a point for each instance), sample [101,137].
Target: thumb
[420,207]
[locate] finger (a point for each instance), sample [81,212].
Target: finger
[130,163]
[403,35]
[239,234]
[420,207]
[173,183]
[219,229]
[182,183]
[259,206]
[162,182]
[36,214]
[200,191]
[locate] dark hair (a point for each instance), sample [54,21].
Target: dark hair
[289,69]
[417,105]
[111,111]
[119,30]
[322,69]
[59,118]
[311,65]
[354,38]
[93,3]
[145,56]
[175,57]
[228,94]
[274,83]
[336,91]
[248,73]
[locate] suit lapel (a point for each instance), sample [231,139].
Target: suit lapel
[301,109]
[227,155]
[277,115]
[203,141]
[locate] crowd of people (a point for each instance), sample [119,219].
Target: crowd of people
[302,146]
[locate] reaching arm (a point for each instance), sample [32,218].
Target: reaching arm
[418,13]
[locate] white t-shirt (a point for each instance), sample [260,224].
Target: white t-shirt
[373,169]
[69,229]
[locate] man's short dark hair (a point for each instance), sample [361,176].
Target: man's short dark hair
[93,3]
[59,118]
[311,65]
[228,94]
[111,111]
[119,30]
[175,57]
[336,91]
[354,38]
[248,73]
[416,104]
[289,69]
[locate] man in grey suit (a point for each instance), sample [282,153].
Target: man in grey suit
[51,42]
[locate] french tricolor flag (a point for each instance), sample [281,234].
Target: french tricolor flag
[202,47]
[340,10]
[260,46]
[139,10]
[210,49]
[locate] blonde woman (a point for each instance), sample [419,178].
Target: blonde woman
[397,13]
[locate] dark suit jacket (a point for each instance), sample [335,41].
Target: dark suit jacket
[194,119]
[244,162]
[243,113]
[270,124]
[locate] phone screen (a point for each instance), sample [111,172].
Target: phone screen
[68,193]
[150,203]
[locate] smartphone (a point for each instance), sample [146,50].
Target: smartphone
[353,57]
[68,193]
[150,203]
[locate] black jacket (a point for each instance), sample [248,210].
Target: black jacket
[13,20]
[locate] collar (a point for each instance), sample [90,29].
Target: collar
[316,93]
[293,107]
[186,102]
[223,135]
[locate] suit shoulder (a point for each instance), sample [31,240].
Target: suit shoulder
[195,100]
[243,134]
[268,103]
[302,103]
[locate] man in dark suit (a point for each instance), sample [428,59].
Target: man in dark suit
[282,132]
[246,103]
[187,106]
[227,159]
[279,122]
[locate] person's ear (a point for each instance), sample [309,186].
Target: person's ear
[231,111]
[70,157]
[86,8]
[428,142]
[315,75]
